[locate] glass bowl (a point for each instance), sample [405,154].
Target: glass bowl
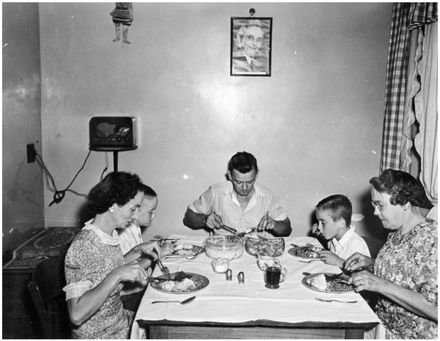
[263,246]
[224,247]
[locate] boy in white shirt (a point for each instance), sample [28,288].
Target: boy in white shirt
[334,218]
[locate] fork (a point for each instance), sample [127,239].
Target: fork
[334,300]
[164,269]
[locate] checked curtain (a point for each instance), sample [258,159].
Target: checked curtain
[410,116]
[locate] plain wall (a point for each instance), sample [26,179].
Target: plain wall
[315,124]
[22,190]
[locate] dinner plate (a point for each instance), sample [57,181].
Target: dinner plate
[336,287]
[186,252]
[200,283]
[296,252]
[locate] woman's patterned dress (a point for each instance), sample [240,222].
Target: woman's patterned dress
[90,258]
[410,261]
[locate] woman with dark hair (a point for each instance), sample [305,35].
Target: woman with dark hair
[95,267]
[404,273]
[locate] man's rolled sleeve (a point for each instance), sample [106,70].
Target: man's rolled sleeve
[276,211]
[203,205]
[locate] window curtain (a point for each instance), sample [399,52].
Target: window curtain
[411,115]
[395,87]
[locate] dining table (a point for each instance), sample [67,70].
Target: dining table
[227,309]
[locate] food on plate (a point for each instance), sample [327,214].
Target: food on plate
[174,286]
[273,247]
[318,282]
[181,282]
[308,251]
[328,283]
[181,250]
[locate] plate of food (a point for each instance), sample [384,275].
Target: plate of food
[308,251]
[180,283]
[327,282]
[188,251]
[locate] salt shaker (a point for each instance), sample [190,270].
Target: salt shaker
[229,275]
[240,277]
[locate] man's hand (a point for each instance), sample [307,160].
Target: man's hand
[213,221]
[266,223]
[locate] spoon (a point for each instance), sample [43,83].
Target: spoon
[185,301]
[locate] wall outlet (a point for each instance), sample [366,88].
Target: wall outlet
[31,152]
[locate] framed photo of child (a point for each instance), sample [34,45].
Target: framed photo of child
[251,42]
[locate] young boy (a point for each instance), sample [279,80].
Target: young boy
[132,235]
[334,219]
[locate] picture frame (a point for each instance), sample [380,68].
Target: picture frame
[251,46]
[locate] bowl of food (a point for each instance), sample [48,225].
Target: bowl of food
[262,246]
[224,247]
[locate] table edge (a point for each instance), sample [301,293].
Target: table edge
[261,323]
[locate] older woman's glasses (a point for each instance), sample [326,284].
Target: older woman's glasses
[379,205]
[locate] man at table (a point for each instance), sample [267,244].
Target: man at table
[239,203]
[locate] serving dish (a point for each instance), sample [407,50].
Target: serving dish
[334,283]
[166,286]
[224,247]
[256,245]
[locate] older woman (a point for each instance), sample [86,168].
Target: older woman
[404,273]
[95,267]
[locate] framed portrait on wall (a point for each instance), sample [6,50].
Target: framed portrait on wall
[251,42]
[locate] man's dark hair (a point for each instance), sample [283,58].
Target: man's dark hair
[243,162]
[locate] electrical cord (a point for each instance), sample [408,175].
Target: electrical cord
[50,182]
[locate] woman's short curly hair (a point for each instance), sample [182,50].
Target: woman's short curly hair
[402,187]
[116,188]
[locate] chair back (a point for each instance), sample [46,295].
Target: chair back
[374,245]
[49,299]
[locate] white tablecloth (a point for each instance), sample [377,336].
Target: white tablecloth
[227,301]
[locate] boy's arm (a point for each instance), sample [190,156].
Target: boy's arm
[329,257]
